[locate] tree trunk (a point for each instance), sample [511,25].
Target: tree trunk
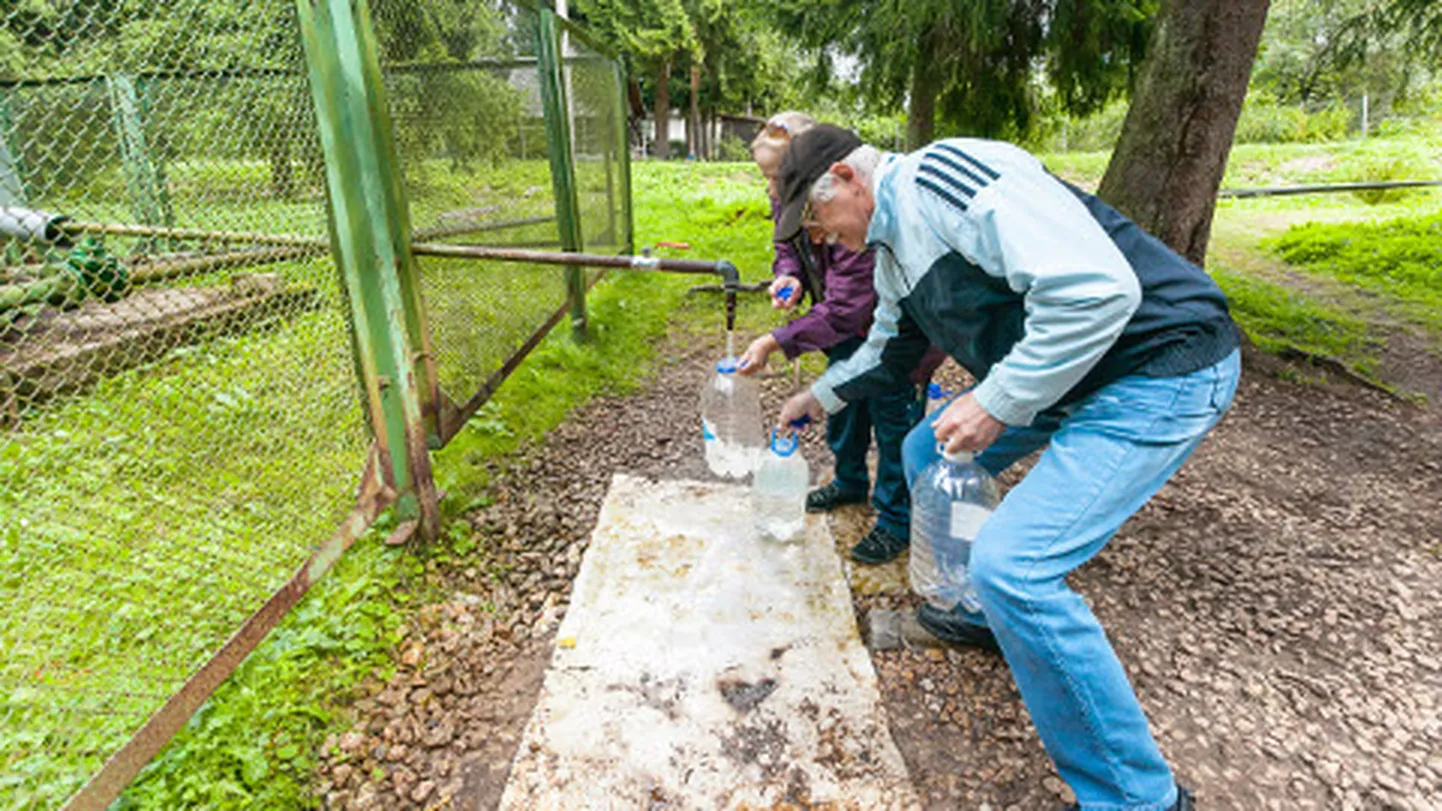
[693,121]
[662,146]
[921,112]
[1174,144]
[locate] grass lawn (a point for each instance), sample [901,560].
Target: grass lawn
[1336,287]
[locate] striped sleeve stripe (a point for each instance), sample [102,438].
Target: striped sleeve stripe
[936,157]
[926,183]
[948,178]
[986,170]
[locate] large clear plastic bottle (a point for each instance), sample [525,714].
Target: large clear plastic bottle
[778,493]
[952,498]
[731,421]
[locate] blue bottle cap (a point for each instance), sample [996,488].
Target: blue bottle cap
[726,366]
[784,445]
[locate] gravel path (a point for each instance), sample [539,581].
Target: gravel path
[1277,606]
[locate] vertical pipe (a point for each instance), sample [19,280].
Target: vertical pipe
[141,178]
[146,95]
[12,179]
[622,136]
[563,171]
[370,236]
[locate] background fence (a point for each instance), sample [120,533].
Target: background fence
[219,360]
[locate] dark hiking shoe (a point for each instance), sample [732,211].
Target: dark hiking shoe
[828,498]
[878,546]
[1185,801]
[949,626]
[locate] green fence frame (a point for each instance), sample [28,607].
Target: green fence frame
[372,242]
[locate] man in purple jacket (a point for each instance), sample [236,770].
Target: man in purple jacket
[841,289]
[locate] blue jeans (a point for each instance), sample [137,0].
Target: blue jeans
[1109,453]
[891,416]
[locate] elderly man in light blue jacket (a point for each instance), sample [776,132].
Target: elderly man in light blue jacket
[1088,337]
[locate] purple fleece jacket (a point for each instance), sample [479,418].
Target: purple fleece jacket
[844,310]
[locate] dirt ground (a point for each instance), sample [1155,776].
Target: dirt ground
[1278,606]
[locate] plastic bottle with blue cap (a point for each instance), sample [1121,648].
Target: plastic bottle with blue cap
[951,501]
[731,421]
[778,493]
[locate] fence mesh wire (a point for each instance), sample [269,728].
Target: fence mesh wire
[465,96]
[179,421]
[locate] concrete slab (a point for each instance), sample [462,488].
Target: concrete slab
[701,667]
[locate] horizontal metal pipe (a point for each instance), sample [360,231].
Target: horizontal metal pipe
[1279,191]
[249,237]
[141,273]
[477,227]
[725,270]
[653,263]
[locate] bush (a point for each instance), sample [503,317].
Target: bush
[1264,120]
[733,149]
[1399,254]
[1095,133]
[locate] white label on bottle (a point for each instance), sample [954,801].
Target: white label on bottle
[966,520]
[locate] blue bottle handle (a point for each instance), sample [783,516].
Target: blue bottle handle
[786,292]
[784,446]
[800,422]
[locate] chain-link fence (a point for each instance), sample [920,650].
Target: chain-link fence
[181,424]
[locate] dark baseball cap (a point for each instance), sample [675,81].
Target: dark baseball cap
[807,158]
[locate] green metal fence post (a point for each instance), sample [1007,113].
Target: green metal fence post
[370,234]
[12,180]
[146,95]
[563,171]
[147,193]
[627,239]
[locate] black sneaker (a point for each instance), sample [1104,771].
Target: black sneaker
[949,626]
[828,498]
[1185,801]
[878,546]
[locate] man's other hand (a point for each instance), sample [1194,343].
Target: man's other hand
[966,426]
[800,405]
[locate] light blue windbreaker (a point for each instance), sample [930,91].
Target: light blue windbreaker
[1039,290]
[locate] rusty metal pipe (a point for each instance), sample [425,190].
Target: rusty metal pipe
[730,276]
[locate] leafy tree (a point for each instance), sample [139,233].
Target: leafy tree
[970,68]
[653,35]
[1320,51]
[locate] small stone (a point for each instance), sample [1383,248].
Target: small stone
[352,742]
[423,791]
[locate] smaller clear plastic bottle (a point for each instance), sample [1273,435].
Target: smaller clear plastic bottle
[952,499]
[731,421]
[778,493]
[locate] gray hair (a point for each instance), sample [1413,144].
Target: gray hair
[863,160]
